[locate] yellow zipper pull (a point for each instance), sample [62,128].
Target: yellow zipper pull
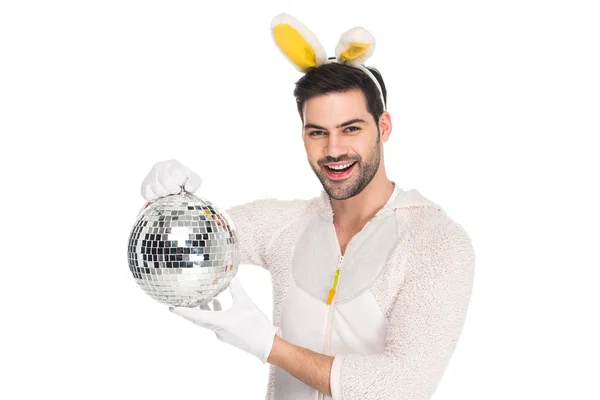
[335,282]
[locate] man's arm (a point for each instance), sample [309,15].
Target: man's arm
[257,224]
[312,368]
[425,323]
[426,320]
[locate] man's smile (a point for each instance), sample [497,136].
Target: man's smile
[338,171]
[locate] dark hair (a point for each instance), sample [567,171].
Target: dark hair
[337,77]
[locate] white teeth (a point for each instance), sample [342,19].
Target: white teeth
[337,167]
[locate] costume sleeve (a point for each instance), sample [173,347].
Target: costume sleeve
[425,323]
[257,224]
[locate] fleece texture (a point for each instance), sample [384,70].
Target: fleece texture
[422,289]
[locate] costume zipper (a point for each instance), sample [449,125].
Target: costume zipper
[331,303]
[331,297]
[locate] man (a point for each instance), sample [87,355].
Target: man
[371,283]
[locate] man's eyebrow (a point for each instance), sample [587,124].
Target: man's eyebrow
[307,126]
[343,124]
[352,121]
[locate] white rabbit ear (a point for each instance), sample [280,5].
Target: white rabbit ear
[355,46]
[297,42]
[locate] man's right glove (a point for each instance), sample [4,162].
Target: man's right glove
[167,177]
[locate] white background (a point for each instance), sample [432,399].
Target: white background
[495,108]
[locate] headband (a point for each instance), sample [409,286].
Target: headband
[304,50]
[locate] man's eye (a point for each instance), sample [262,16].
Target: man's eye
[353,128]
[316,133]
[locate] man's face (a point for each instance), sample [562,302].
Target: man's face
[342,142]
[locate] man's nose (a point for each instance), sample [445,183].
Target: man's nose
[335,145]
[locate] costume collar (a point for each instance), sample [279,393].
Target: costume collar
[404,199]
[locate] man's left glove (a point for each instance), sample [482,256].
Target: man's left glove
[243,325]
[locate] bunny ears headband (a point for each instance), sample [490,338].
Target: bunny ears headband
[305,51]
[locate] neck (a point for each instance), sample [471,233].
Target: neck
[362,207]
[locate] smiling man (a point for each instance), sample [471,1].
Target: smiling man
[344,126]
[371,283]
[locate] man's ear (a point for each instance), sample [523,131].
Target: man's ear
[385,126]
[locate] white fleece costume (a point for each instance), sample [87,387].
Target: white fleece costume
[391,309]
[401,299]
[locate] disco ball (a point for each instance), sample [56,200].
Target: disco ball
[183,251]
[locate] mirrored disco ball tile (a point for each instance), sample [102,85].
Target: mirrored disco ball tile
[183,251]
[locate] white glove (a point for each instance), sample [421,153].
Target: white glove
[243,325]
[167,177]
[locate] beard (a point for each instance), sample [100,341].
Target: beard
[361,176]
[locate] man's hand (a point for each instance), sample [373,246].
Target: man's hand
[167,177]
[246,327]
[243,325]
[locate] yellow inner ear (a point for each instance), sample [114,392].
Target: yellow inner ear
[355,50]
[295,47]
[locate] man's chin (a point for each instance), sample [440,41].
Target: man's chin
[338,190]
